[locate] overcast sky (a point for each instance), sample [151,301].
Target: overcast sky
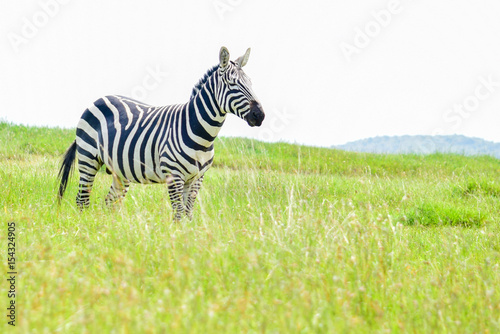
[326,72]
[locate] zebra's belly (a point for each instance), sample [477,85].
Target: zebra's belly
[190,167]
[146,166]
[135,170]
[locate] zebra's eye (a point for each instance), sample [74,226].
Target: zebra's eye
[233,77]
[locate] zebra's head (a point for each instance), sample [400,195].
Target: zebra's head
[234,92]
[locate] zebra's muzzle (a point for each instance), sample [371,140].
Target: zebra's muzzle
[256,115]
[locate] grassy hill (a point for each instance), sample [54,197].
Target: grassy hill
[424,145]
[285,238]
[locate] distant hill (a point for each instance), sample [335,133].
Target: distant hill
[424,145]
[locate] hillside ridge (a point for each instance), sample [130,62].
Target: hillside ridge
[422,144]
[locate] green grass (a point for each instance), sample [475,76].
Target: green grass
[285,239]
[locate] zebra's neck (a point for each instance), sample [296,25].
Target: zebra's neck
[203,114]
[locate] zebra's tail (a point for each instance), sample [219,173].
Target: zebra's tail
[66,169]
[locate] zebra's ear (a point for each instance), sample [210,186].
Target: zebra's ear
[223,58]
[242,61]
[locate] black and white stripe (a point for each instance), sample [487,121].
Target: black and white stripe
[172,144]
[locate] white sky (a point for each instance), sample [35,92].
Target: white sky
[423,60]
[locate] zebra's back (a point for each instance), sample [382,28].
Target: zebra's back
[125,135]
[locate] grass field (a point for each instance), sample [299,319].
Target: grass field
[285,239]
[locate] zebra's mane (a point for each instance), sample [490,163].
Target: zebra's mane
[202,81]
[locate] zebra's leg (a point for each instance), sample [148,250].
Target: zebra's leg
[117,191]
[87,169]
[175,189]
[190,193]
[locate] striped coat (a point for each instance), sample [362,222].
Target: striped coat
[172,144]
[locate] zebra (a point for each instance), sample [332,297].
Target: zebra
[172,144]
